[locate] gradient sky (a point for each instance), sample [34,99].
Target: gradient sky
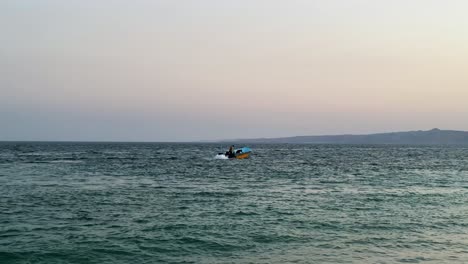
[192,70]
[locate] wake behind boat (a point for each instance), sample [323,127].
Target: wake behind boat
[240,153]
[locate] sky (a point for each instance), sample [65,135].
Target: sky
[155,70]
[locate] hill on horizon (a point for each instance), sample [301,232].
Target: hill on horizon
[430,137]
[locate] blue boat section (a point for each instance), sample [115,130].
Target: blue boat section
[243,150]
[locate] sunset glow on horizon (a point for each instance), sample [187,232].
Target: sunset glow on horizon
[195,70]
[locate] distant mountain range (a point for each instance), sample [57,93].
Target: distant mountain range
[430,137]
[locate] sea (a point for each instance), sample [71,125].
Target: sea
[176,203]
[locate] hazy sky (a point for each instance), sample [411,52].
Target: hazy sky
[190,70]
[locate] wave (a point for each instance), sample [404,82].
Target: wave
[221,156]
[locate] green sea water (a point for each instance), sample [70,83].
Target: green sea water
[176,203]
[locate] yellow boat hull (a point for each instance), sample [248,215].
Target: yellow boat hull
[243,156]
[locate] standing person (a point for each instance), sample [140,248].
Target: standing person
[231,151]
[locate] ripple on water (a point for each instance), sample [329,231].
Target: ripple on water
[153,203]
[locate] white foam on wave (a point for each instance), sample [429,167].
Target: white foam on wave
[221,156]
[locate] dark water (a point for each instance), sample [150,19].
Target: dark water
[174,203]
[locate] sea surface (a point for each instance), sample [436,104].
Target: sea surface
[176,203]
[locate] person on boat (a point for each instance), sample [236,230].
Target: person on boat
[230,153]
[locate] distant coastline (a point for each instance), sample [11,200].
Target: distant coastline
[419,137]
[430,137]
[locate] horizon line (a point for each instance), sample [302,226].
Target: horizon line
[214,140]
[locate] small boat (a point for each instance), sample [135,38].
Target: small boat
[240,153]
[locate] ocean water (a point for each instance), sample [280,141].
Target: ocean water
[176,203]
